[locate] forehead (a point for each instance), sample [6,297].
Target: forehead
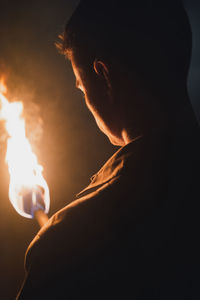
[77,73]
[76,70]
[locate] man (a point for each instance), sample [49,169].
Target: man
[132,233]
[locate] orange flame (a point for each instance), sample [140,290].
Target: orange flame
[25,172]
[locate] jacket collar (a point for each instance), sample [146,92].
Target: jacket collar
[111,168]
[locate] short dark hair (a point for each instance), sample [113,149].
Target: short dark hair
[144,34]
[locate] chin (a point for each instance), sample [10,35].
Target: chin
[115,141]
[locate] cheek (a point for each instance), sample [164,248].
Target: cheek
[91,106]
[97,103]
[98,116]
[104,121]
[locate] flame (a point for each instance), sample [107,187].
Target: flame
[25,172]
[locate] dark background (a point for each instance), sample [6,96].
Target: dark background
[62,131]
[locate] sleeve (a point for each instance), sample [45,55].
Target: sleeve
[40,263]
[60,258]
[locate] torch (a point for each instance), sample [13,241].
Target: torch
[28,190]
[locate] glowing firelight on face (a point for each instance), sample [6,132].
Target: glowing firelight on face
[28,190]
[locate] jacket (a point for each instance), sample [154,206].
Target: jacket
[132,233]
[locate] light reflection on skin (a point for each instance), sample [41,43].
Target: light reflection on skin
[115,139]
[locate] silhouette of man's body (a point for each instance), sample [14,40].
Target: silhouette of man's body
[133,232]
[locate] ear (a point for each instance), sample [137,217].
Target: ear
[102,70]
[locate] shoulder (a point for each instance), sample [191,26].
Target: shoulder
[89,223]
[84,224]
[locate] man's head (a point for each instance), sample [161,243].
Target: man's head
[128,58]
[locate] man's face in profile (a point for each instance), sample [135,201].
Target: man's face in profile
[99,103]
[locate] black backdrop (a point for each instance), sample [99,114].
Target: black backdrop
[66,141]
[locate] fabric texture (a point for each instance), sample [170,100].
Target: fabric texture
[132,233]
